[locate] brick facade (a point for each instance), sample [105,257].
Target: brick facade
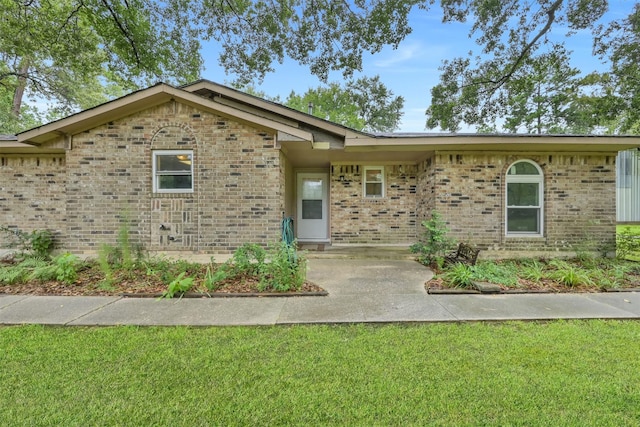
[579,200]
[32,193]
[356,219]
[238,192]
[243,185]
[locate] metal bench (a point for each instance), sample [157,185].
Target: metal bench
[465,254]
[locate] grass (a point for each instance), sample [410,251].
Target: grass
[557,373]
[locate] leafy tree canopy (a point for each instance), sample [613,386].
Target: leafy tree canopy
[69,51]
[364,104]
[521,73]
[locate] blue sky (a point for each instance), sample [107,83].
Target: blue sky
[412,69]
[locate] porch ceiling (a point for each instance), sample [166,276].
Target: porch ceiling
[302,155]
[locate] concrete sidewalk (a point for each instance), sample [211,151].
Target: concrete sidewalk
[359,291]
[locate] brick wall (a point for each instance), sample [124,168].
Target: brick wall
[237,196]
[32,194]
[356,219]
[579,200]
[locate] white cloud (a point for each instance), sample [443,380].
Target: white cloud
[404,53]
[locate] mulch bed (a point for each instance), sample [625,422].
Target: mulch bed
[90,282]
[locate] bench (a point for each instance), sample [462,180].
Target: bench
[465,254]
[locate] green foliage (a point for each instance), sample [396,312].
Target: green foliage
[66,268]
[362,104]
[38,243]
[285,271]
[104,255]
[434,243]
[503,273]
[178,285]
[532,270]
[627,243]
[280,268]
[520,77]
[459,275]
[569,274]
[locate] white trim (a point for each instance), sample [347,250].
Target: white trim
[524,179]
[155,175]
[364,182]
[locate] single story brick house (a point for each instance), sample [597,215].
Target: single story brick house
[204,168]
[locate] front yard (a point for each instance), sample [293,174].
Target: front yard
[566,373]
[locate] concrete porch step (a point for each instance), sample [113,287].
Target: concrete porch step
[392,252]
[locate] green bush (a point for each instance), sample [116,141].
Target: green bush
[434,243]
[66,270]
[627,243]
[505,273]
[285,271]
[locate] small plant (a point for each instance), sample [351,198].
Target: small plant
[66,268]
[104,255]
[460,275]
[179,285]
[249,258]
[434,243]
[568,274]
[212,280]
[533,271]
[285,271]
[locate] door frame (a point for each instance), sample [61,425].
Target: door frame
[313,173]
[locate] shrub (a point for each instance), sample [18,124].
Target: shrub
[434,243]
[627,243]
[285,271]
[66,268]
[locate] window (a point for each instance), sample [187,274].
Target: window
[524,199]
[373,181]
[173,171]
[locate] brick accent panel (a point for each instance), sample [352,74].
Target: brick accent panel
[32,194]
[579,200]
[356,219]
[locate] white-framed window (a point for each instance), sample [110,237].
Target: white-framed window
[172,171]
[525,197]
[373,182]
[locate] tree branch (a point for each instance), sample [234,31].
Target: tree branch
[551,16]
[123,30]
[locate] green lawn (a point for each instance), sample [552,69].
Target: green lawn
[558,373]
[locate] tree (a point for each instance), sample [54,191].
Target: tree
[363,104]
[74,52]
[514,36]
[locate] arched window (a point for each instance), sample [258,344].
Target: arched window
[525,196]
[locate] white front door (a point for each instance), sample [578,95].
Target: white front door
[312,210]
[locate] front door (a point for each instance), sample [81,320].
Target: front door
[312,213]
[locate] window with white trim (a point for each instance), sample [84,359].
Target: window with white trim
[173,171]
[373,181]
[525,196]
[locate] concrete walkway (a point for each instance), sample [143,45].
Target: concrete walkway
[359,291]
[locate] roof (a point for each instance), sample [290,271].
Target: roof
[292,127]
